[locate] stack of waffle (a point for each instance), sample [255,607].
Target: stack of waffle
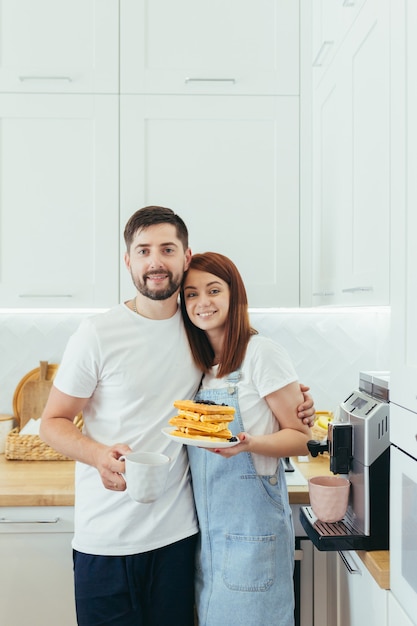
[202,420]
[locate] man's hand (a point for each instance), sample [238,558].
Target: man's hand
[106,461]
[306,410]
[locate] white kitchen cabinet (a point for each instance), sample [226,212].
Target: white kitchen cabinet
[365,278]
[59,231]
[324,589]
[229,167]
[36,574]
[356,598]
[229,163]
[396,614]
[351,161]
[325,31]
[210,47]
[59,46]
[403,381]
[313,578]
[332,20]
[331,141]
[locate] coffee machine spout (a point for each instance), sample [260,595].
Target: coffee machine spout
[316,447]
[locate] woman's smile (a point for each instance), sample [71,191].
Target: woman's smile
[207,314]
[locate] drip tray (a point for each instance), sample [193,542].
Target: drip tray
[335,536]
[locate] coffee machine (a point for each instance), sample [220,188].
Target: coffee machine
[358,444]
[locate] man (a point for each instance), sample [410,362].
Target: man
[133,563]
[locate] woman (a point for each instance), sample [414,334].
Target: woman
[246,557]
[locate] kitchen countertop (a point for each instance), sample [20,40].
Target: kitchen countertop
[51,483]
[36,483]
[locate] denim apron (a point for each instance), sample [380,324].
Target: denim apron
[245,561]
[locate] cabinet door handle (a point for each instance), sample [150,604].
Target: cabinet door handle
[323,293]
[209,80]
[356,289]
[45,295]
[67,79]
[322,53]
[5,520]
[349,563]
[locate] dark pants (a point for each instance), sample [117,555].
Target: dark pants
[155,588]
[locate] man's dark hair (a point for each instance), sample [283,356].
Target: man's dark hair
[151,215]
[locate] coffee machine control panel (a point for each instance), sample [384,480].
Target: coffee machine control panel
[360,404]
[369,417]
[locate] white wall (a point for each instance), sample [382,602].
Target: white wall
[328,346]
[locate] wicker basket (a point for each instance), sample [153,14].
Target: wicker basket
[29,448]
[318,432]
[32,448]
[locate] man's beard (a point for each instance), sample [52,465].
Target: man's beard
[157,294]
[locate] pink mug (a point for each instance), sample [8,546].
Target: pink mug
[329,497]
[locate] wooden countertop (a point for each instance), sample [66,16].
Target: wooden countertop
[51,483]
[36,483]
[377,563]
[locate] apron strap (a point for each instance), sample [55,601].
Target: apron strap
[232,380]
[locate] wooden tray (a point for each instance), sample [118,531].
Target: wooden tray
[20,397]
[29,399]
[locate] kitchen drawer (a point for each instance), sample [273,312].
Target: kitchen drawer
[36,577]
[36,519]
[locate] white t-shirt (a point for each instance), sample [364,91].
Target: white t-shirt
[266,367]
[133,368]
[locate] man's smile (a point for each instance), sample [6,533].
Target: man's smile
[157,277]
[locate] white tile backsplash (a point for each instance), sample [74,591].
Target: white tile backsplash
[329,347]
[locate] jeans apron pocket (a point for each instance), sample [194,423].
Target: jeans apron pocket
[249,562]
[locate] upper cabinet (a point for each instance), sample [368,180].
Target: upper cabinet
[210,127]
[59,200]
[107,105]
[59,46]
[209,47]
[403,382]
[59,116]
[351,161]
[110,105]
[331,22]
[230,167]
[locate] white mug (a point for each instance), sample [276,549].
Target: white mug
[146,475]
[6,425]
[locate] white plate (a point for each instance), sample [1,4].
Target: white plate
[201,443]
